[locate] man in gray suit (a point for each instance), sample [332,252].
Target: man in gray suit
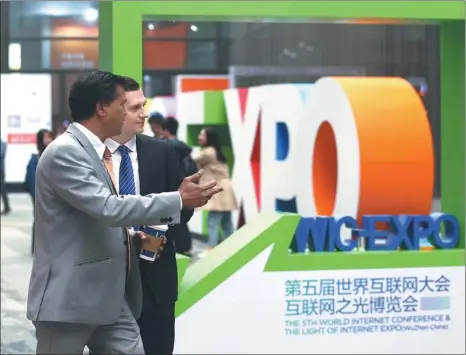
[85,286]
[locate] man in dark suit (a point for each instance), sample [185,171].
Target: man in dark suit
[160,278]
[156,168]
[183,239]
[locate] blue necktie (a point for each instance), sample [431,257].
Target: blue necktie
[126,183]
[127,186]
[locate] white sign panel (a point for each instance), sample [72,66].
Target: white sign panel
[377,311]
[26,107]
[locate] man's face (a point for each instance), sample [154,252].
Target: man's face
[202,138]
[136,113]
[164,133]
[48,138]
[113,114]
[157,129]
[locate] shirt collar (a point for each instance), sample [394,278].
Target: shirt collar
[98,145]
[113,145]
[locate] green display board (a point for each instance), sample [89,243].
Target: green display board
[121,51]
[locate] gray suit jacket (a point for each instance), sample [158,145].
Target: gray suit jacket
[79,272]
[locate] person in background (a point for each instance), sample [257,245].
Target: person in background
[183,238]
[62,127]
[43,139]
[3,191]
[156,124]
[212,160]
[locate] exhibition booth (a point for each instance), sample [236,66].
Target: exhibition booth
[26,108]
[353,158]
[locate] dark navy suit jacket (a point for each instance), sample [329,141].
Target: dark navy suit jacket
[31,175]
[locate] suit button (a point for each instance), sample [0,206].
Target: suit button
[125,243]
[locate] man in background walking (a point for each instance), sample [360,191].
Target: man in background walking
[6,201]
[156,124]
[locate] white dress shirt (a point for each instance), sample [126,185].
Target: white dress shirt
[116,160]
[98,145]
[133,154]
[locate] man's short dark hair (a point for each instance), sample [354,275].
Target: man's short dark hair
[91,89]
[171,125]
[157,119]
[130,84]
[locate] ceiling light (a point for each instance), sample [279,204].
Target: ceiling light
[150,26]
[91,15]
[14,56]
[194,28]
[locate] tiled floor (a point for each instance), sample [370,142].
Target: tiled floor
[17,333]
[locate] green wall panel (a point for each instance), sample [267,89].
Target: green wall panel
[214,108]
[453,128]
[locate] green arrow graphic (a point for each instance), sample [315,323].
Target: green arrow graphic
[277,229]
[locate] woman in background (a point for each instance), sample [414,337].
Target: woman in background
[212,160]
[43,139]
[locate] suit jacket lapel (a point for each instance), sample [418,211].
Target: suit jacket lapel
[143,151]
[95,159]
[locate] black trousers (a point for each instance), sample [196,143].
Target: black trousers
[157,326]
[6,201]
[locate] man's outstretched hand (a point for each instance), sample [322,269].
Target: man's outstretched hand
[194,194]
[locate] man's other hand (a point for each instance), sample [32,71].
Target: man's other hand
[194,194]
[138,238]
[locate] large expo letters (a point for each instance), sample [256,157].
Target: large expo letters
[243,115]
[281,113]
[348,146]
[340,147]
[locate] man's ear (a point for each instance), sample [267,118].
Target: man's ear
[100,109]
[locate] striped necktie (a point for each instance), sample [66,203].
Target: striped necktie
[109,166]
[126,183]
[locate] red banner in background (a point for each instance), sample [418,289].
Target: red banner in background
[21,138]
